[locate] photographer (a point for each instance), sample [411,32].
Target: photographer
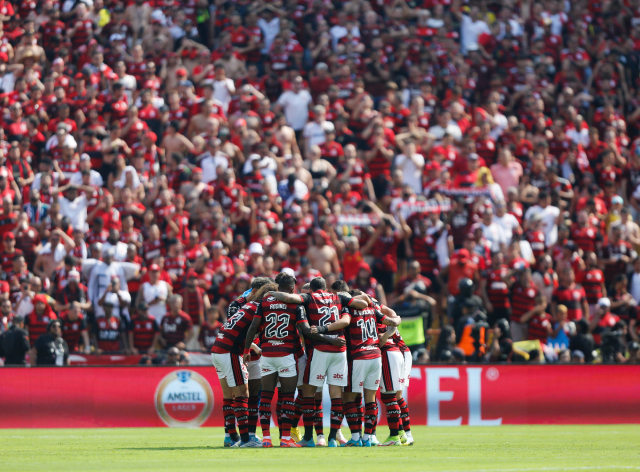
[614,347]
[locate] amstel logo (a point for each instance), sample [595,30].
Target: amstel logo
[184,399]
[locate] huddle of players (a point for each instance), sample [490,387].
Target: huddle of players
[351,344]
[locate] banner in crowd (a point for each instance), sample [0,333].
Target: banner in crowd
[438,396]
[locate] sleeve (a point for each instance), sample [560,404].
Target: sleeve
[259,313]
[301,314]
[189,323]
[345,300]
[83,324]
[156,326]
[306,299]
[380,317]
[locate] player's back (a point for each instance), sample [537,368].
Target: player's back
[233,333]
[278,327]
[362,333]
[324,308]
[391,344]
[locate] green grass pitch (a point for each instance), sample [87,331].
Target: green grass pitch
[499,449]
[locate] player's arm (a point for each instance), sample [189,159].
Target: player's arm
[387,334]
[359,302]
[251,334]
[388,320]
[305,330]
[287,297]
[342,323]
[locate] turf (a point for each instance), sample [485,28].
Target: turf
[500,449]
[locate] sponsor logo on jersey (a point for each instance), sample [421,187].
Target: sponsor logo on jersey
[338,376]
[320,377]
[184,399]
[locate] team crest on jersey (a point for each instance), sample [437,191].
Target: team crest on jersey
[184,399]
[576,295]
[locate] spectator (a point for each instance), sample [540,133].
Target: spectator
[14,343]
[50,348]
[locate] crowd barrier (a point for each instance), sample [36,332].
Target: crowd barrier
[84,397]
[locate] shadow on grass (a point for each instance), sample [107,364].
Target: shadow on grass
[173,448]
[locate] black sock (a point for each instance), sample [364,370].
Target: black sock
[234,436]
[332,433]
[245,437]
[308,433]
[393,432]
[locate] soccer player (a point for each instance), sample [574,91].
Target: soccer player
[278,321]
[392,378]
[253,367]
[365,369]
[405,421]
[226,355]
[327,362]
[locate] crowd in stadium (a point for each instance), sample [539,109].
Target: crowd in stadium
[474,165]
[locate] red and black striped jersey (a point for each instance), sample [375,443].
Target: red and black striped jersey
[362,333]
[175,327]
[72,329]
[572,298]
[37,326]
[232,335]
[538,327]
[278,326]
[393,343]
[592,283]
[397,338]
[108,333]
[324,308]
[144,329]
[523,299]
[497,290]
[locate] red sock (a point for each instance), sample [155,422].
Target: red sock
[337,414]
[298,414]
[240,407]
[358,402]
[288,412]
[351,414]
[265,413]
[393,412]
[252,411]
[404,415]
[370,417]
[319,417]
[229,416]
[308,412]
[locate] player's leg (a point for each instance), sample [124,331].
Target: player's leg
[371,384]
[337,373]
[230,431]
[318,419]
[268,382]
[390,384]
[238,381]
[405,420]
[227,375]
[314,376]
[255,375]
[301,367]
[288,387]
[351,391]
[360,407]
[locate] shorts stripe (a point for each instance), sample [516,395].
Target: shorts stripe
[307,370]
[386,372]
[238,377]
